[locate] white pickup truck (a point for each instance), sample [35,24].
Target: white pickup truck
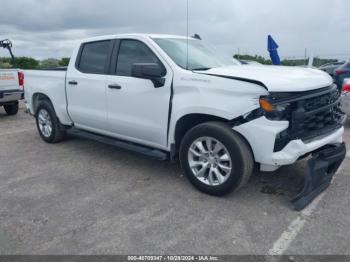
[11,84]
[173,97]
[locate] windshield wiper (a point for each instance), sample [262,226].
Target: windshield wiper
[201,69]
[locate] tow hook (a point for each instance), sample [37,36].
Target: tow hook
[321,169]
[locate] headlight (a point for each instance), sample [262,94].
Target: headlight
[282,107]
[273,110]
[266,105]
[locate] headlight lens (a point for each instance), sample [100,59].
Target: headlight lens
[266,105]
[273,111]
[282,107]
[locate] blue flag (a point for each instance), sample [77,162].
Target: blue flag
[272,47]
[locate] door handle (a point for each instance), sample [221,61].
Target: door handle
[114,86]
[73,83]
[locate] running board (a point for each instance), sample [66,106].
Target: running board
[148,151]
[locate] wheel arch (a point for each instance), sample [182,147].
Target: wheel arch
[36,98]
[188,121]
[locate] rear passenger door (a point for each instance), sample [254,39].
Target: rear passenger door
[137,110]
[86,86]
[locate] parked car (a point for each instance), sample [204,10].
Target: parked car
[11,84]
[219,118]
[346,96]
[341,73]
[331,67]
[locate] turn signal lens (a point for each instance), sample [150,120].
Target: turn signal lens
[266,105]
[346,87]
[21,79]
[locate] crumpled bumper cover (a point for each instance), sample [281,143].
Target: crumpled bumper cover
[261,134]
[321,169]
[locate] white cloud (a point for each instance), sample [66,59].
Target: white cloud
[50,28]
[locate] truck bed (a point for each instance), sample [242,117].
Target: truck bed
[8,79]
[51,83]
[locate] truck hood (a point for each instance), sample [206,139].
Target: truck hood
[276,78]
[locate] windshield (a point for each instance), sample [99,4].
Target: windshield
[200,55]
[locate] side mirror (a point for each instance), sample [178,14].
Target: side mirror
[151,71]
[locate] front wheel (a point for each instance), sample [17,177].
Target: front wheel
[11,109]
[216,159]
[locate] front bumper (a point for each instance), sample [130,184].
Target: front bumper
[11,96]
[261,134]
[321,168]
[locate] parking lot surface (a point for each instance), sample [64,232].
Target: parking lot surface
[82,197]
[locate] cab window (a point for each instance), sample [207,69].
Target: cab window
[94,57]
[131,52]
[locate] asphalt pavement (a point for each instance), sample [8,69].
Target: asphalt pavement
[82,197]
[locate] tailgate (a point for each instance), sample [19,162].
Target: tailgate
[9,79]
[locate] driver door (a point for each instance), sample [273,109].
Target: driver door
[136,110]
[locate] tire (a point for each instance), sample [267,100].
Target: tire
[11,109]
[233,163]
[49,127]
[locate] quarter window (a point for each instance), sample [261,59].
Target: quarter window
[94,56]
[131,52]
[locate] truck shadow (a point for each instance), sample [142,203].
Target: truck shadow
[2,113]
[283,184]
[288,181]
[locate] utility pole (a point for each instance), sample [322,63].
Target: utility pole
[305,56]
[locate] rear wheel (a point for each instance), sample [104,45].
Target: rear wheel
[11,109]
[49,127]
[216,159]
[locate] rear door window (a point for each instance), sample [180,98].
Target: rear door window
[94,57]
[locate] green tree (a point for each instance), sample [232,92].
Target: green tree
[5,65]
[49,63]
[286,62]
[26,62]
[256,58]
[64,61]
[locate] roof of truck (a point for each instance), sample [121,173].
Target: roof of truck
[97,38]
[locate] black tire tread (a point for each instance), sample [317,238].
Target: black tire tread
[11,109]
[59,132]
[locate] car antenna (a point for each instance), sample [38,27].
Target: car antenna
[187,31]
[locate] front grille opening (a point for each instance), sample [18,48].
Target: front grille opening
[312,117]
